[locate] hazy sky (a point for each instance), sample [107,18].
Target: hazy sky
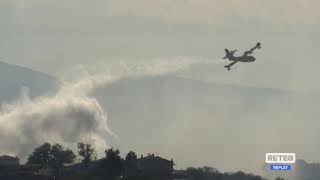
[53,35]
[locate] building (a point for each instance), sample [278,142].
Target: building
[8,161]
[72,167]
[29,170]
[155,166]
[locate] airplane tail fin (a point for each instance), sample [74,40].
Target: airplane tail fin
[229,55]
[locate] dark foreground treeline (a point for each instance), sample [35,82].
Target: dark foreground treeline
[48,162]
[208,173]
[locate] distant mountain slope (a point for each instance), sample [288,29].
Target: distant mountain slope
[13,78]
[178,116]
[170,109]
[209,123]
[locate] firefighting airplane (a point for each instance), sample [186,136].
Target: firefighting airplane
[244,58]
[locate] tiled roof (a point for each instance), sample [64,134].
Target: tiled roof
[6,157]
[155,158]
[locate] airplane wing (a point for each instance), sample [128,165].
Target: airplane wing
[233,51]
[231,64]
[257,46]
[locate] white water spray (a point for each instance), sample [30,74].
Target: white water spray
[72,114]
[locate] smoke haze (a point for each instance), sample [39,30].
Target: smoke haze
[72,114]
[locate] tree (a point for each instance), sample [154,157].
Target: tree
[113,163]
[41,155]
[60,156]
[130,164]
[87,153]
[53,156]
[131,157]
[195,173]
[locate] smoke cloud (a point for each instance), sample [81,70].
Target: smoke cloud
[72,114]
